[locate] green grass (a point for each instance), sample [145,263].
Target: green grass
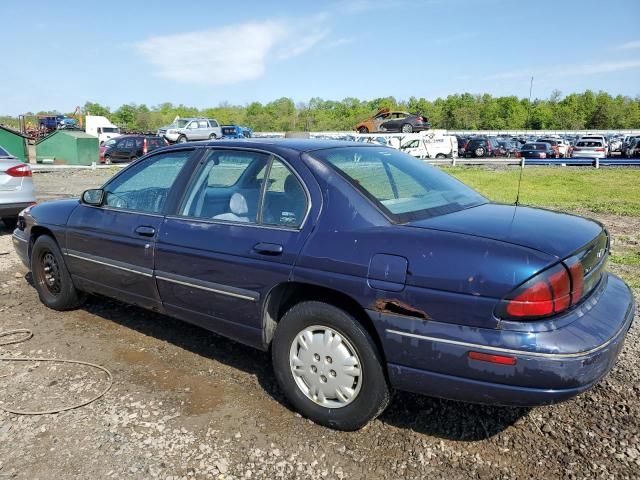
[606,190]
[626,258]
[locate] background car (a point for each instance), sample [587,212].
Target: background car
[590,148]
[128,148]
[190,129]
[509,148]
[555,145]
[633,148]
[394,121]
[483,147]
[16,188]
[235,131]
[536,150]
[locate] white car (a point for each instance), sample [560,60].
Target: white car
[16,188]
[189,129]
[589,148]
[602,138]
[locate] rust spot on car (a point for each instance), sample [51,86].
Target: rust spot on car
[397,307]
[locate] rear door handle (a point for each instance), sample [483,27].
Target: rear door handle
[145,231]
[267,248]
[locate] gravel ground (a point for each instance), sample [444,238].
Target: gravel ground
[186,403]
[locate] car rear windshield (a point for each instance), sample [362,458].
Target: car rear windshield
[403,187]
[589,143]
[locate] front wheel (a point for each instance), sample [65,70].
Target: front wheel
[182,139]
[107,160]
[479,152]
[441,155]
[51,277]
[329,367]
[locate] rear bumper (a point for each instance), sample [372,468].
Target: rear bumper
[13,209]
[552,364]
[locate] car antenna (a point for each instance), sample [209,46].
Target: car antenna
[522,159]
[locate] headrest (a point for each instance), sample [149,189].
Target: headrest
[238,204]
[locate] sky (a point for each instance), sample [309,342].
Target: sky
[57,55]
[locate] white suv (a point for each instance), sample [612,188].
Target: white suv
[190,129]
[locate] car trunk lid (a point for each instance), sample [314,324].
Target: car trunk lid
[554,233]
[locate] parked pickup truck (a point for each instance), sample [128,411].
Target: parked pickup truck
[189,129]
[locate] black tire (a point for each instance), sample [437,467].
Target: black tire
[107,160]
[374,394]
[441,155]
[59,294]
[406,128]
[479,152]
[10,222]
[363,130]
[213,136]
[182,139]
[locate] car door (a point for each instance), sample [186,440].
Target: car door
[237,234]
[110,248]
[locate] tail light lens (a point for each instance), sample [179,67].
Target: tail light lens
[599,149]
[144,147]
[19,171]
[545,294]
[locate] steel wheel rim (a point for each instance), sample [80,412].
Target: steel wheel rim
[50,273]
[325,366]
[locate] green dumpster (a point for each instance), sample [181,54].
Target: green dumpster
[67,147]
[14,143]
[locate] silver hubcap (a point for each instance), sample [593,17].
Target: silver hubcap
[325,366]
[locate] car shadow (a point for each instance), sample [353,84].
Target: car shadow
[430,416]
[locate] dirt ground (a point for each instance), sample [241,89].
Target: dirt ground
[186,403]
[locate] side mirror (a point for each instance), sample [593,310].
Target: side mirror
[94,197]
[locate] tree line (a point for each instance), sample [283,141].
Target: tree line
[587,110]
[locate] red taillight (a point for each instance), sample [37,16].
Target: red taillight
[420,119]
[19,171]
[144,146]
[518,154]
[486,357]
[599,149]
[545,294]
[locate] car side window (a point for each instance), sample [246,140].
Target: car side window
[144,187]
[128,143]
[213,123]
[203,124]
[285,202]
[228,187]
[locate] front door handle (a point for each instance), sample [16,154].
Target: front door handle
[145,231]
[267,248]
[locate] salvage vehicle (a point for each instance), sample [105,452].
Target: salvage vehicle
[128,148]
[184,130]
[389,121]
[589,148]
[359,267]
[430,145]
[537,150]
[16,188]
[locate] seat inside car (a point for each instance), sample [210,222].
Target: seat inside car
[238,209]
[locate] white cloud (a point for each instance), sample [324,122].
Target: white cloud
[629,45]
[230,54]
[339,42]
[552,71]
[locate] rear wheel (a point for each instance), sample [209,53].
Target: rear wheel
[51,277]
[407,128]
[441,155]
[213,136]
[363,130]
[328,366]
[107,160]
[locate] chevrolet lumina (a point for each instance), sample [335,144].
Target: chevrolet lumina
[360,268]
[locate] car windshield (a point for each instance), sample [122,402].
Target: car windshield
[179,123]
[403,187]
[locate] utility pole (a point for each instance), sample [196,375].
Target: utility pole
[529,106]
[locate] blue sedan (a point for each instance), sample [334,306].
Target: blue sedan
[360,268]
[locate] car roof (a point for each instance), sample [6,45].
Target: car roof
[276,145]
